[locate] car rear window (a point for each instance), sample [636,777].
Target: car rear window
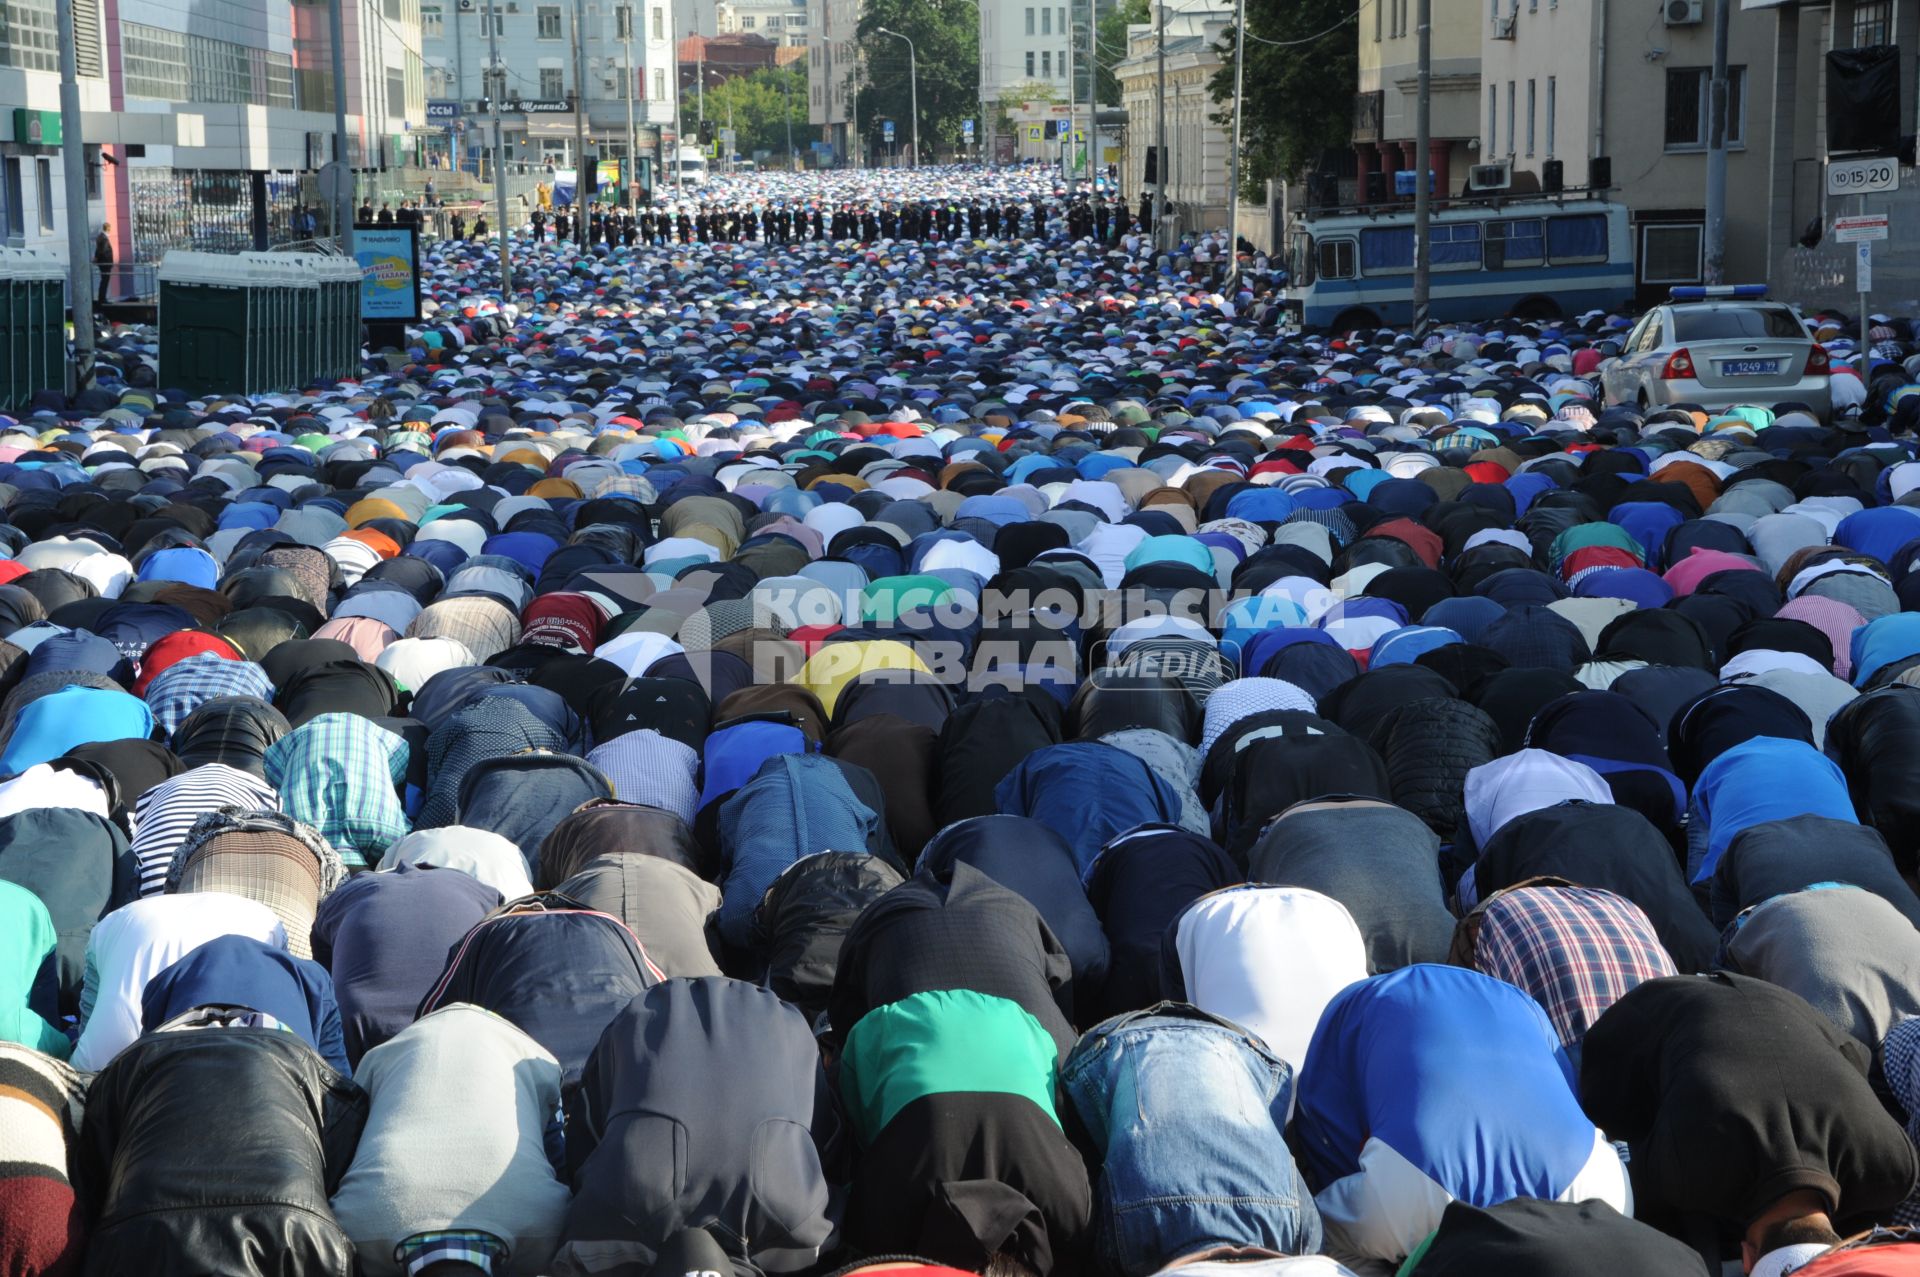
[1728,322]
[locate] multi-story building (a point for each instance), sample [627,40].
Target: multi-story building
[833,74]
[784,22]
[627,50]
[1383,110]
[203,123]
[1197,144]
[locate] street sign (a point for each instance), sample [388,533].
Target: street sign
[1035,132]
[966,129]
[1857,230]
[1863,265]
[441,110]
[1863,177]
[886,130]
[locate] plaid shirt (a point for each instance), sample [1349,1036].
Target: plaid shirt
[1576,950]
[186,685]
[646,767]
[338,773]
[464,1246]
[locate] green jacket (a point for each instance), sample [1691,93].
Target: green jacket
[26,949]
[940,1043]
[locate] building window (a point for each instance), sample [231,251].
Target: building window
[43,179]
[623,22]
[1062,23]
[1029,22]
[1029,61]
[1872,23]
[432,24]
[1046,22]
[659,24]
[549,22]
[659,86]
[1552,87]
[1376,22]
[1046,64]
[1492,145]
[1510,117]
[553,86]
[1530,99]
[1688,91]
[396,93]
[746,24]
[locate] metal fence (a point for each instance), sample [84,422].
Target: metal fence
[215,211]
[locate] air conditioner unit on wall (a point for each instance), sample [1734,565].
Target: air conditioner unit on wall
[468,6]
[1503,26]
[1489,177]
[1685,13]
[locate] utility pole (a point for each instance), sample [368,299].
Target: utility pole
[679,136]
[581,176]
[1422,162]
[1073,103]
[630,173]
[1160,130]
[343,193]
[73,158]
[1716,248]
[1231,279]
[496,85]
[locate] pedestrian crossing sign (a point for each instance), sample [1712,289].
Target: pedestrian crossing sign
[1036,131]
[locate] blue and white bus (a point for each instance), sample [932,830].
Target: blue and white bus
[1532,258]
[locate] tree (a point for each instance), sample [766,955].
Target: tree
[759,104]
[946,39]
[1303,69]
[1110,44]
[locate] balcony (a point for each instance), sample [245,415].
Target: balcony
[1369,109]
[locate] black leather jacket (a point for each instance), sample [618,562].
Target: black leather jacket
[215,1151]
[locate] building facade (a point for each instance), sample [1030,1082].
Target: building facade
[1197,145]
[833,75]
[784,22]
[1383,110]
[627,50]
[203,123]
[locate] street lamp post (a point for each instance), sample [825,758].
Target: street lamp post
[913,89]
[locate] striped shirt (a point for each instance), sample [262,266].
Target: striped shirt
[164,814]
[186,685]
[1576,950]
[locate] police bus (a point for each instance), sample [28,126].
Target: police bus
[1538,257]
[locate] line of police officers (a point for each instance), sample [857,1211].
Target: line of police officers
[775,223]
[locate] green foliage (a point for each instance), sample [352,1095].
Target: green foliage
[1298,96]
[946,37]
[1110,39]
[760,104]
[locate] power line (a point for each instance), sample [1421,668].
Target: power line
[1288,44]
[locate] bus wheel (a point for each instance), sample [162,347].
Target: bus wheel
[1537,308]
[1357,317]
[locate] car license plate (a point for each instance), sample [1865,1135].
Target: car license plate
[1748,367]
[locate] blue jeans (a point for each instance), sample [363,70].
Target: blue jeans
[1187,1111]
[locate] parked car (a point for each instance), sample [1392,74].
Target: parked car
[1729,348]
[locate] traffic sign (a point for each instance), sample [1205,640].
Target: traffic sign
[1863,266]
[1035,132]
[1856,230]
[886,129]
[966,129]
[1863,177]
[336,181]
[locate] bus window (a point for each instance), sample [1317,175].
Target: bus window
[1514,243]
[1300,260]
[1336,259]
[1456,246]
[1577,239]
[1386,250]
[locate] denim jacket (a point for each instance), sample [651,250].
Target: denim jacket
[1187,1110]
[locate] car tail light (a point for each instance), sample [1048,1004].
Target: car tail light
[1817,362]
[1679,364]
